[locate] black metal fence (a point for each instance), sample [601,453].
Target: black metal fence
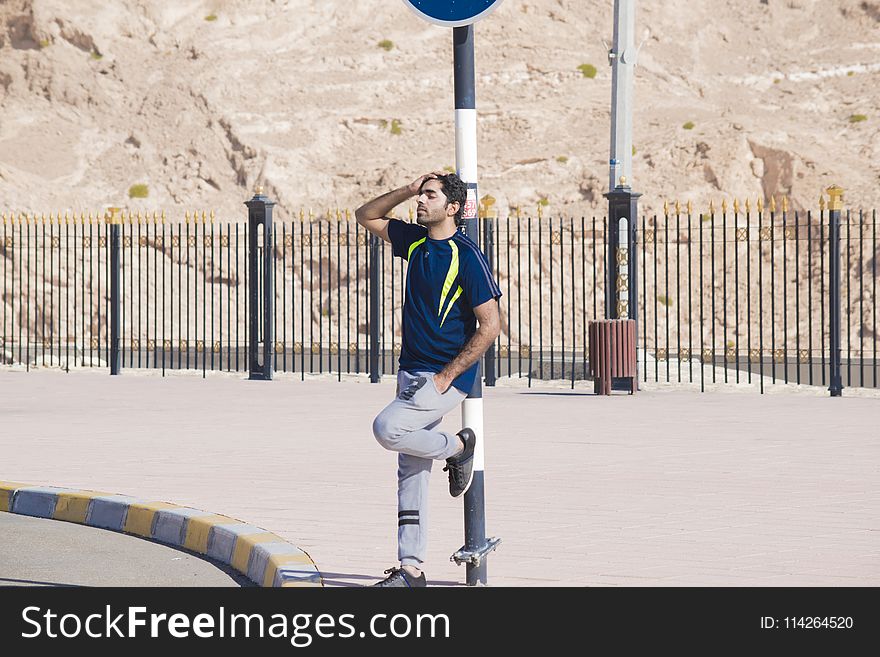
[730,296]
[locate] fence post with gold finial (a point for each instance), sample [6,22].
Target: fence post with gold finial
[114,221]
[835,206]
[260,361]
[375,293]
[488,248]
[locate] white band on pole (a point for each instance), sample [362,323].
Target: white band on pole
[472,408]
[466,144]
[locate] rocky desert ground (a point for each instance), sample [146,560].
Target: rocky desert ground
[327,102]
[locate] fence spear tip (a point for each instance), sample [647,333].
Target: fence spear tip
[760,204]
[772,204]
[690,207]
[736,205]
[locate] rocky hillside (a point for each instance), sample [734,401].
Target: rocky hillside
[326,103]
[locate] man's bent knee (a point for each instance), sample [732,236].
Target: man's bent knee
[384,432]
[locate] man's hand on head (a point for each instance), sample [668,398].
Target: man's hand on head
[416,184]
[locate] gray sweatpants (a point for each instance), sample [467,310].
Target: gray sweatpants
[407,426]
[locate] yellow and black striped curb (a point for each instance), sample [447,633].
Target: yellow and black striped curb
[262,557]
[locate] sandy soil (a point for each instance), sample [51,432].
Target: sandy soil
[299,96]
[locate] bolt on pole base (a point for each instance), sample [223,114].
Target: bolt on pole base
[474,557]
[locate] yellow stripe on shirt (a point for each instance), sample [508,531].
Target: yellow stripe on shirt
[450,278]
[412,248]
[451,303]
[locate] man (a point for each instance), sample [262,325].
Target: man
[449,288]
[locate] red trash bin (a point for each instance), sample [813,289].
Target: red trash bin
[612,353]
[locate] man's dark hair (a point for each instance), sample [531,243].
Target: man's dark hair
[455,191]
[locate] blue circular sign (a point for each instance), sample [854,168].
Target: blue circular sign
[452,13]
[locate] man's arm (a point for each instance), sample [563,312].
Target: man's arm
[488,329]
[371,215]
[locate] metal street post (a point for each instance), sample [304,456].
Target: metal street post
[461,16]
[622,58]
[621,294]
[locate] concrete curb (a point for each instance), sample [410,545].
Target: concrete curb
[264,558]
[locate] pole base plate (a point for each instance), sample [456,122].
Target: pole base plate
[474,557]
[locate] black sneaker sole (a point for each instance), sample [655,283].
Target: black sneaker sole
[471,475]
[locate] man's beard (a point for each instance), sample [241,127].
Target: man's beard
[425,219]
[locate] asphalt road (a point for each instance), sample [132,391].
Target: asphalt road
[40,552]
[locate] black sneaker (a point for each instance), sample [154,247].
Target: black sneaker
[461,466]
[399,578]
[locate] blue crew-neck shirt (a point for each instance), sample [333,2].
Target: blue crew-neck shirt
[445,281]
